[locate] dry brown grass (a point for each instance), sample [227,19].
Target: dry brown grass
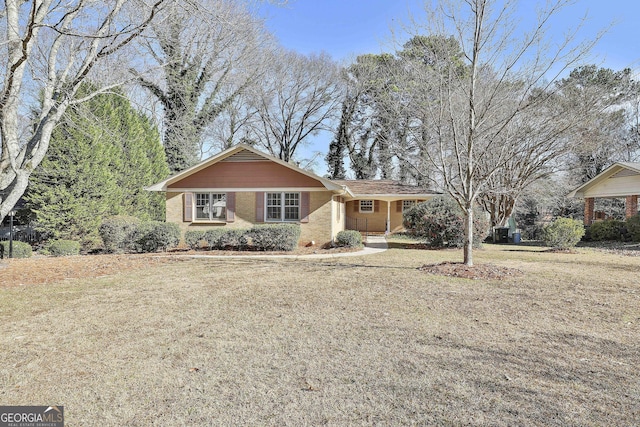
[348,341]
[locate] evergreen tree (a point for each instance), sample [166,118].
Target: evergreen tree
[100,158]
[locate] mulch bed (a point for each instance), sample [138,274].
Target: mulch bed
[481,271]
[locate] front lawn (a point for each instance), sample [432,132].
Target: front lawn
[346,341]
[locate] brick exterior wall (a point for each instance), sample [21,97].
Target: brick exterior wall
[318,229]
[589,206]
[631,206]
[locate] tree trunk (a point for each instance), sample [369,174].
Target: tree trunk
[468,235]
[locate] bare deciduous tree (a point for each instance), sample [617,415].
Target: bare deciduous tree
[297,98]
[210,51]
[473,114]
[49,49]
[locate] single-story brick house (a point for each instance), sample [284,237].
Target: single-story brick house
[617,181]
[242,186]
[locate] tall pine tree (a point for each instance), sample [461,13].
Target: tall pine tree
[100,158]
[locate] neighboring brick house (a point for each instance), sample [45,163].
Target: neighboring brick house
[620,180]
[242,186]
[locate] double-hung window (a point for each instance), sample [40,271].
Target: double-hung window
[282,206]
[211,206]
[366,206]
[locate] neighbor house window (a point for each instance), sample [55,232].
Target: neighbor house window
[283,206]
[211,206]
[406,204]
[366,206]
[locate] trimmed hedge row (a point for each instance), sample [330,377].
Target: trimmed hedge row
[610,229]
[267,237]
[616,230]
[633,227]
[129,234]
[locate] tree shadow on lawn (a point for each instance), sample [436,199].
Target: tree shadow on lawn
[556,376]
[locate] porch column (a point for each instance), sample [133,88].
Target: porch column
[388,217]
[589,206]
[631,206]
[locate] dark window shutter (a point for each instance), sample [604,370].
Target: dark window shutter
[376,205]
[259,206]
[304,206]
[231,207]
[356,205]
[399,206]
[188,207]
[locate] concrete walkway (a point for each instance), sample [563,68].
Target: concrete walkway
[373,245]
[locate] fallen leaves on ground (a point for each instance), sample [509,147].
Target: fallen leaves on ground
[40,270]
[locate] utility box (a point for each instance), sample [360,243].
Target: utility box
[501,235]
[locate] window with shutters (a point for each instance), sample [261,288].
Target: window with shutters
[282,206]
[210,206]
[366,206]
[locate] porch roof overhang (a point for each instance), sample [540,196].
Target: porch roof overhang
[391,197]
[618,180]
[385,190]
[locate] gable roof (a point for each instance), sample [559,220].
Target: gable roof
[239,153]
[617,170]
[384,188]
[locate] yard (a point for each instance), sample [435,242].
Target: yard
[346,341]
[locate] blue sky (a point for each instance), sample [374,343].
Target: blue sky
[346,28]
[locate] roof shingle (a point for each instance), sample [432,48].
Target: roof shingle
[371,187]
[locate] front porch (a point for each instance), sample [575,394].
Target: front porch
[376,216]
[620,180]
[592,215]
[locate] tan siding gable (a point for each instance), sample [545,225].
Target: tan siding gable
[615,186]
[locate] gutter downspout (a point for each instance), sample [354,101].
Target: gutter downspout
[340,194]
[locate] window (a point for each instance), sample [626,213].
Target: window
[406,204]
[283,206]
[211,206]
[366,206]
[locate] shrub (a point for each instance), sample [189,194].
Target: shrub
[212,237]
[64,247]
[563,233]
[117,232]
[20,249]
[633,227]
[349,238]
[610,229]
[234,238]
[153,235]
[194,238]
[441,221]
[275,237]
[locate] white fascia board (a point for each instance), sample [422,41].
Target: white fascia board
[246,190]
